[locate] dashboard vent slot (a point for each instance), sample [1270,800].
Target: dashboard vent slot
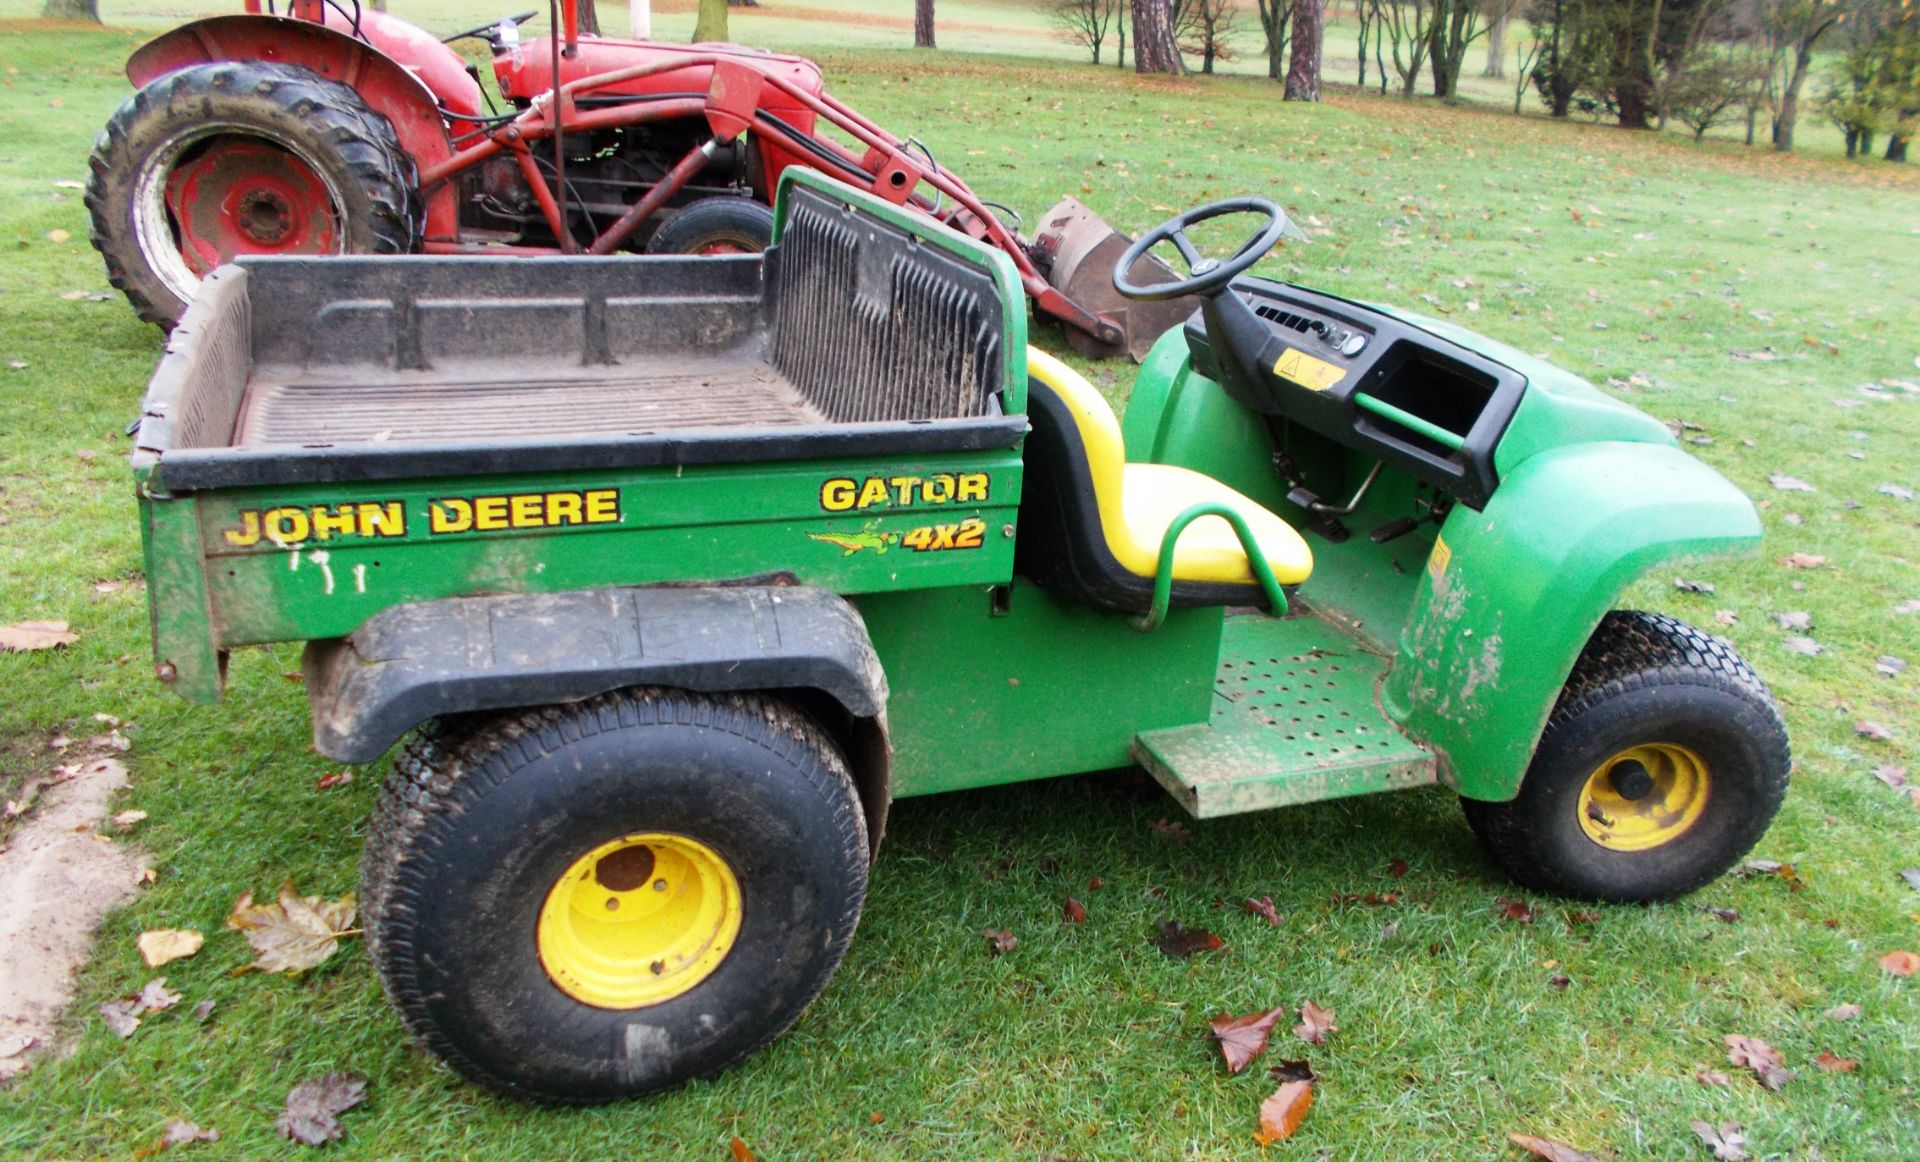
[1274,314]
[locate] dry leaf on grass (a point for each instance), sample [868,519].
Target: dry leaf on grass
[1518,911]
[1073,911]
[1263,908]
[165,945]
[1763,1059]
[1180,942]
[295,932]
[1794,619]
[1550,1150]
[1706,1076]
[336,779]
[1000,940]
[1686,586]
[155,997]
[36,635]
[1900,964]
[1787,483]
[1726,1140]
[1292,1071]
[1242,1039]
[1873,730]
[1834,1064]
[741,1151]
[1281,1114]
[1843,1013]
[120,1018]
[179,1134]
[1316,1024]
[1803,561]
[1801,644]
[314,1107]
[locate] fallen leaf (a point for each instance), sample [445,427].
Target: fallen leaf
[1241,1039]
[1073,911]
[1897,491]
[1873,730]
[69,184]
[1095,884]
[336,779]
[1370,899]
[1892,775]
[1796,619]
[1263,908]
[741,1151]
[1396,868]
[1912,876]
[36,635]
[184,1134]
[155,997]
[1888,666]
[120,1018]
[1726,1140]
[312,1116]
[1559,981]
[1724,915]
[1763,1059]
[1000,940]
[1181,942]
[1281,1114]
[1787,483]
[1908,606]
[1804,645]
[1833,1064]
[295,932]
[1316,1024]
[1518,911]
[203,1010]
[1706,1076]
[1292,1071]
[1726,617]
[58,235]
[1774,868]
[1686,586]
[1900,963]
[1550,1150]
[1802,561]
[126,819]
[1175,830]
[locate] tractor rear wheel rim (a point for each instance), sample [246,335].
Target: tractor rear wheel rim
[639,920]
[219,190]
[1654,815]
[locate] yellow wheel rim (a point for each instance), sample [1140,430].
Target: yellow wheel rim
[1644,796]
[639,920]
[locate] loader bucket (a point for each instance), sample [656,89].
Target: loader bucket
[1076,249]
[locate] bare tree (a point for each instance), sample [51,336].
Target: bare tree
[1154,49]
[1799,24]
[1455,26]
[1407,26]
[1364,15]
[1525,57]
[923,23]
[1202,28]
[1085,22]
[1500,14]
[711,24]
[1276,18]
[1309,30]
[87,10]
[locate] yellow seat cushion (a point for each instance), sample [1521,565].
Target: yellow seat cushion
[1138,502]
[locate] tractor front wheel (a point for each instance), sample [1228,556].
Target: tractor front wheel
[1662,764]
[242,157]
[715,226]
[595,901]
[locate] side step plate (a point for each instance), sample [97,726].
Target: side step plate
[1294,721]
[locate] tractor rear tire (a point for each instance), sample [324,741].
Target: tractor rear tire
[715,226]
[581,903]
[242,157]
[1663,762]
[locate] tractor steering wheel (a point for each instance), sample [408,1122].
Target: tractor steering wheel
[1208,275]
[487,31]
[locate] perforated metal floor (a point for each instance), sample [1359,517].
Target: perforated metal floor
[1294,720]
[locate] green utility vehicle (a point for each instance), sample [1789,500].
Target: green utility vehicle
[669,574]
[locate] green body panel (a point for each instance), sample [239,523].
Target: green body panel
[980,697]
[1504,609]
[184,651]
[1293,721]
[1013,296]
[701,524]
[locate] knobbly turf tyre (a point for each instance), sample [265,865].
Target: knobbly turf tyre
[297,164]
[496,842]
[1658,707]
[715,226]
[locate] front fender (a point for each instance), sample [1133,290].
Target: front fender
[1511,594]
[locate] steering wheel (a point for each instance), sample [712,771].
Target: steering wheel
[486,31]
[1208,275]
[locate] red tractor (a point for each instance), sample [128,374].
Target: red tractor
[333,130]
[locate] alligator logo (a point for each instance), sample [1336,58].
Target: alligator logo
[851,543]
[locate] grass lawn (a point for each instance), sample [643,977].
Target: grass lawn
[1639,262]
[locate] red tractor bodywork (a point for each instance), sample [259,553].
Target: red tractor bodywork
[760,109]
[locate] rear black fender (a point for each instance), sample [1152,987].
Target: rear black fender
[430,659]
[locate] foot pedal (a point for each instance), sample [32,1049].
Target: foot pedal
[1393,529]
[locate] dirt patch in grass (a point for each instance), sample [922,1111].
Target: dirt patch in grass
[59,877]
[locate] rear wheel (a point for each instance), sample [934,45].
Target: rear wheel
[715,226]
[1662,764]
[241,157]
[596,901]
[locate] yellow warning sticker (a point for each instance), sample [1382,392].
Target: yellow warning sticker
[1437,562]
[1303,369]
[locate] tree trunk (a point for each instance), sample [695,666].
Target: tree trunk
[1790,100]
[1154,50]
[923,23]
[711,25]
[1303,72]
[1363,47]
[87,10]
[1497,44]
[1897,145]
[1120,35]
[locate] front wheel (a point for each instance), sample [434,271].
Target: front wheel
[595,901]
[715,226]
[1662,764]
[241,157]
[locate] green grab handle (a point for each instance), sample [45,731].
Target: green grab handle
[1163,576]
[1407,419]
